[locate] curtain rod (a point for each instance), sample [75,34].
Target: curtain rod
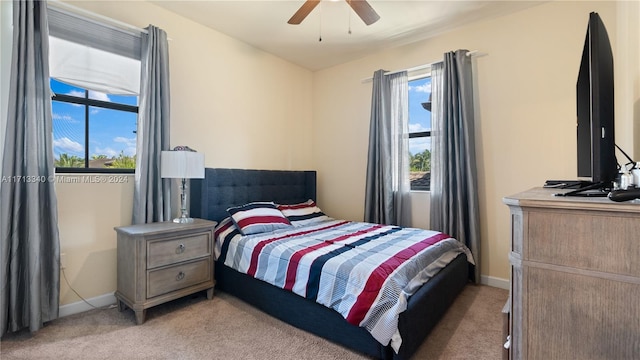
[421,67]
[76,10]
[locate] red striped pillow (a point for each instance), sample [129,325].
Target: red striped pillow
[301,214]
[258,217]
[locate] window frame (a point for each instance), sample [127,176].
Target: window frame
[87,102]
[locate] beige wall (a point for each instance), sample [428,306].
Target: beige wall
[240,106]
[525,124]
[87,213]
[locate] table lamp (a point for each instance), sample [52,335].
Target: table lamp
[182,163]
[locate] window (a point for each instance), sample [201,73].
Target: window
[420,133]
[93,130]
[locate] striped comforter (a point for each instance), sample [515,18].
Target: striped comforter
[364,271]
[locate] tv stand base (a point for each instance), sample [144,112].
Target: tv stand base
[600,189]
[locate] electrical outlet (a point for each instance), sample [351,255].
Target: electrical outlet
[63,261]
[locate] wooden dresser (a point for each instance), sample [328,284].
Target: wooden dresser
[575,277]
[159,262]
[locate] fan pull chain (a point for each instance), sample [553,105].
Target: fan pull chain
[349,18]
[320,30]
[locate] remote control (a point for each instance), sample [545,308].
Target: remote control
[624,195]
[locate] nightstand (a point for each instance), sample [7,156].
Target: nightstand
[160,262]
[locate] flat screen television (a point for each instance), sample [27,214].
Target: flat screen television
[594,91]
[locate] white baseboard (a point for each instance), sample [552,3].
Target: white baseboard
[495,282]
[81,306]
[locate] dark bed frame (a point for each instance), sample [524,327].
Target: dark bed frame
[223,188]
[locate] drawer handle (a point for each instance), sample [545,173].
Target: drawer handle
[180,276]
[180,249]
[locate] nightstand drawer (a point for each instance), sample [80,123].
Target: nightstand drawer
[166,252]
[162,281]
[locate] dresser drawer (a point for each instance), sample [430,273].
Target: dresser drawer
[167,252]
[164,280]
[591,242]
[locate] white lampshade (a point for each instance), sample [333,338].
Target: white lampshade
[182,165]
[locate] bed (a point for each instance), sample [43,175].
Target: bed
[225,188]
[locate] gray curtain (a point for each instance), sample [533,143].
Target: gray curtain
[454,189]
[29,267]
[387,182]
[152,194]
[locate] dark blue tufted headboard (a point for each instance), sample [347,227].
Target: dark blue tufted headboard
[222,188]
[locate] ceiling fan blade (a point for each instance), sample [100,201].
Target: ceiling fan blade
[302,13]
[364,10]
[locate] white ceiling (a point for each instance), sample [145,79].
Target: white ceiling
[263,24]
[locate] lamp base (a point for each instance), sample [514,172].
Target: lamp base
[184,215]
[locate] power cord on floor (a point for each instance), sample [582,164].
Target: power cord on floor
[64,275]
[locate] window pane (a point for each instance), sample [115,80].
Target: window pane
[68,134]
[125,99]
[64,89]
[112,138]
[419,118]
[118,99]
[420,163]
[419,147]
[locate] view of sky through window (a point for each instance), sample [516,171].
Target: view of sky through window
[419,118]
[111,132]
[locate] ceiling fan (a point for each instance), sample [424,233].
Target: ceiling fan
[361,7]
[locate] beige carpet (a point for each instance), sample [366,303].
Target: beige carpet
[227,328]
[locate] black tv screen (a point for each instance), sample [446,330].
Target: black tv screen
[594,90]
